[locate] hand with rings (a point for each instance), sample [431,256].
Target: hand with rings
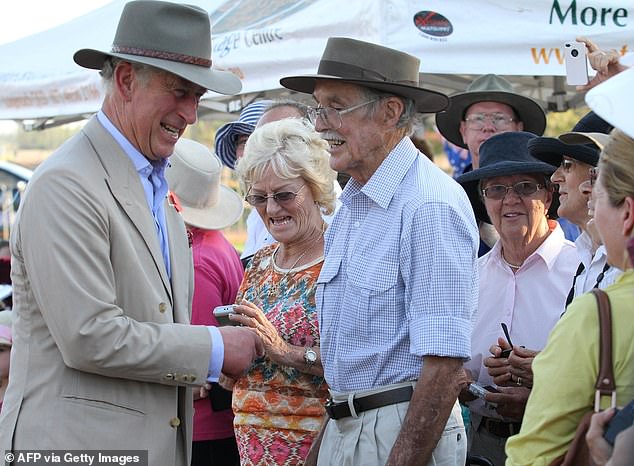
[249,315]
[521,364]
[518,381]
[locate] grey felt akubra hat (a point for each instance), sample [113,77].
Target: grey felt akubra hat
[170,36]
[489,88]
[370,65]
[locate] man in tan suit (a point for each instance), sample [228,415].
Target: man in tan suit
[103,356]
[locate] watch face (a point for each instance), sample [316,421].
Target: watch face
[310,356]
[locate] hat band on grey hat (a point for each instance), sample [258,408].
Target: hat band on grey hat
[328,67]
[179,57]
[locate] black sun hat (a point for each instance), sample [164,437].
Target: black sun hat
[502,155]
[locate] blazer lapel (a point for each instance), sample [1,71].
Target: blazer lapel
[125,186]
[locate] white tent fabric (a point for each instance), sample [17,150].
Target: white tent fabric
[263,40]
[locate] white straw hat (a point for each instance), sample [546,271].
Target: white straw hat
[194,178]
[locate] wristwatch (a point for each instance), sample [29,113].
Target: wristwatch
[310,356]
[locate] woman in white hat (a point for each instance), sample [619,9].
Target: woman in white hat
[207,207]
[6,341]
[278,404]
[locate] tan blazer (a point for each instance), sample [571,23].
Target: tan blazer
[101,356]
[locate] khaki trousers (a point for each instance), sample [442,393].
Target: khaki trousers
[366,440]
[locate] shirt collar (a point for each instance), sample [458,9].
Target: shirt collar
[386,180]
[141,164]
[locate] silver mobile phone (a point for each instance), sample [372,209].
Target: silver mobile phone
[221,313]
[480,391]
[576,63]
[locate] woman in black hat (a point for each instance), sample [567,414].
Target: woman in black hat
[524,281]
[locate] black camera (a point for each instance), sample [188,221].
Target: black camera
[623,419]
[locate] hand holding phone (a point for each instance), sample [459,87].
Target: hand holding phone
[221,313]
[575,58]
[480,391]
[623,419]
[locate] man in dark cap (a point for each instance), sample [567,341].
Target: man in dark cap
[103,356]
[397,290]
[576,154]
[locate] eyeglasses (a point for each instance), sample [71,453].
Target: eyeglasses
[331,117]
[566,165]
[497,192]
[282,198]
[477,121]
[594,175]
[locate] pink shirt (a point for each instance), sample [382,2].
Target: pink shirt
[530,302]
[217,276]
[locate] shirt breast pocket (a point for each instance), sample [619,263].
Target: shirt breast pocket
[373,298]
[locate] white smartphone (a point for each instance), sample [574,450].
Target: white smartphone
[576,63]
[221,313]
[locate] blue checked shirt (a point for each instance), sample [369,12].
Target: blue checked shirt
[400,278]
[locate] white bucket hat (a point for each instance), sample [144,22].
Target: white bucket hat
[613,101]
[194,178]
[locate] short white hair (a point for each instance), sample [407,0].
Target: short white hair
[293,149]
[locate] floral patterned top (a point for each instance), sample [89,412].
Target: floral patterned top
[273,400]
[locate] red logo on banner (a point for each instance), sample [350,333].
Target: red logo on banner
[433,23]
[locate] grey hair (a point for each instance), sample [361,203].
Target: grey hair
[301,107]
[143,72]
[409,119]
[293,149]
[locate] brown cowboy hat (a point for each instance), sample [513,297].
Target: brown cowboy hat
[169,36]
[489,88]
[370,65]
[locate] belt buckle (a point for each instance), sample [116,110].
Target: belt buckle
[329,407]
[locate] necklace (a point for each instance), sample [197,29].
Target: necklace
[274,289]
[513,267]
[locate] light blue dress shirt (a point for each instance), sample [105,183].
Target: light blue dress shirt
[400,278]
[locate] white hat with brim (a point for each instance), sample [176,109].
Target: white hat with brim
[613,101]
[6,322]
[194,178]
[168,36]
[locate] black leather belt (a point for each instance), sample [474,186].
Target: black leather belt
[365,403]
[500,428]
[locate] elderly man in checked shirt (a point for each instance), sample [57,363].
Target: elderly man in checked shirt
[398,288]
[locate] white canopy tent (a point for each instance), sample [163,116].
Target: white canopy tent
[263,40]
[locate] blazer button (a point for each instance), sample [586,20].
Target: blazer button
[162,308]
[169,377]
[175,422]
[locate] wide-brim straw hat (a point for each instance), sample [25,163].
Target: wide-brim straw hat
[169,36]
[193,175]
[227,135]
[584,143]
[370,65]
[613,101]
[504,154]
[6,319]
[489,88]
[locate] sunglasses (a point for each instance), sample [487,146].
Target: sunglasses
[282,198]
[498,192]
[566,165]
